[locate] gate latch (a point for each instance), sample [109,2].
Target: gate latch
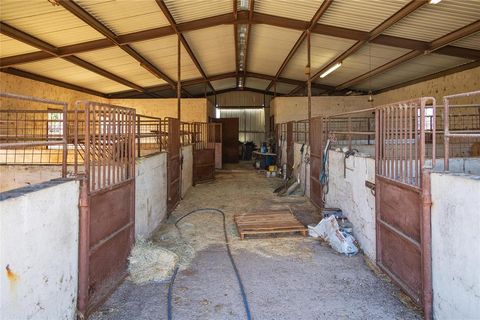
[371,186]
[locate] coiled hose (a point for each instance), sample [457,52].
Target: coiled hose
[230,256]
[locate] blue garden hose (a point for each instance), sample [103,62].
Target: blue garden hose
[229,252]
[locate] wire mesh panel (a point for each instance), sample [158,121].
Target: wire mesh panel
[108,145]
[34,135]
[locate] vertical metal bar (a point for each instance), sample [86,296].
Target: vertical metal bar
[110,142]
[422,138]
[434,133]
[105,143]
[179,74]
[138,136]
[426,242]
[416,144]
[349,132]
[309,78]
[75,140]
[87,146]
[446,134]
[65,141]
[83,248]
[410,143]
[403,119]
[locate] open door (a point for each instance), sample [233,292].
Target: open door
[204,152]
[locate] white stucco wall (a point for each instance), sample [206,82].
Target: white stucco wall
[304,169]
[18,176]
[187,168]
[150,194]
[350,194]
[455,246]
[39,243]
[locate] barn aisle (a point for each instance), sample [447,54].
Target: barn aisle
[285,276]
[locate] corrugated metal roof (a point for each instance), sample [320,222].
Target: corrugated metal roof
[433,21]
[126,16]
[256,83]
[268,47]
[188,10]
[324,49]
[299,9]
[362,15]
[224,84]
[116,61]
[62,70]
[416,68]
[162,53]
[359,63]
[12,47]
[284,88]
[214,48]
[52,24]
[472,42]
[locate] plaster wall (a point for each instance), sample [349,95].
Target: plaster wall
[187,168]
[150,194]
[350,194]
[18,176]
[39,244]
[455,239]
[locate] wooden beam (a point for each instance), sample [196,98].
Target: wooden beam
[173,24]
[434,45]
[36,77]
[83,15]
[323,8]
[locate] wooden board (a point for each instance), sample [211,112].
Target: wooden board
[268,222]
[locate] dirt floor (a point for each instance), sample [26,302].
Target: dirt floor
[285,276]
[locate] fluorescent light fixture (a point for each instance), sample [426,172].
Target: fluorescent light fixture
[435,1]
[331,69]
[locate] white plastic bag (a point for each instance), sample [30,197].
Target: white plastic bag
[329,230]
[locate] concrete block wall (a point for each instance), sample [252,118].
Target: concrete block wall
[39,244]
[455,241]
[350,194]
[150,194]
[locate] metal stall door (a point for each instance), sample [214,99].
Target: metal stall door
[290,149]
[204,152]
[107,203]
[174,171]
[316,151]
[403,199]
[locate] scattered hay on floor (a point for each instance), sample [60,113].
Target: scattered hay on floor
[150,262]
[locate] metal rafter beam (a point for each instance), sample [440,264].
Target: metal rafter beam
[242,17]
[323,8]
[53,52]
[184,42]
[434,45]
[36,77]
[221,76]
[86,17]
[397,16]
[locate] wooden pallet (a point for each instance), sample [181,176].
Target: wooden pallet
[268,222]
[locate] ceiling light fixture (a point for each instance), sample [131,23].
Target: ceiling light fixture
[331,69]
[434,1]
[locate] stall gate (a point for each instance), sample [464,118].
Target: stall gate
[174,162]
[104,142]
[403,198]
[205,139]
[316,155]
